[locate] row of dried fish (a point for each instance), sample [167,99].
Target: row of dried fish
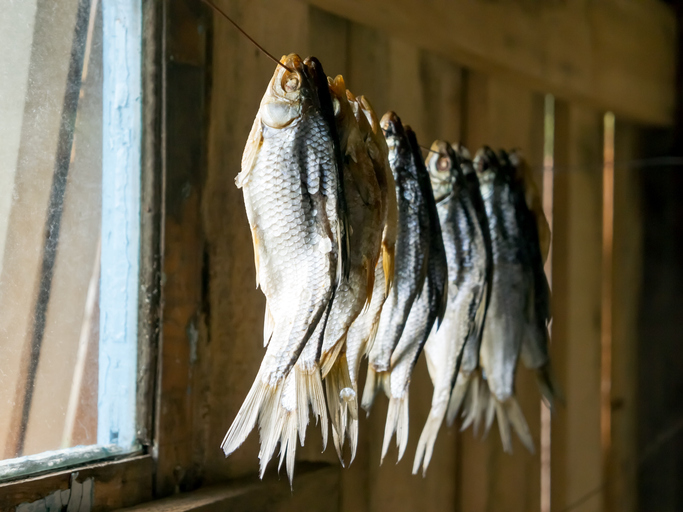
[360,250]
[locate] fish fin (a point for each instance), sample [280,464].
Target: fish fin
[373,383]
[268,326]
[548,386]
[471,404]
[503,427]
[388,265]
[490,414]
[425,446]
[397,421]
[254,239]
[310,391]
[457,398]
[518,422]
[371,337]
[342,402]
[251,150]
[369,267]
[288,445]
[329,359]
[262,397]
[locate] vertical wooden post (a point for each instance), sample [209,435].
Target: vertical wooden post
[576,448]
[627,276]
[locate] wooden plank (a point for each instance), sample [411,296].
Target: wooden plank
[117,484]
[576,449]
[501,115]
[317,489]
[627,276]
[621,55]
[183,247]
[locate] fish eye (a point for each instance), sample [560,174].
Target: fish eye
[291,82]
[443,163]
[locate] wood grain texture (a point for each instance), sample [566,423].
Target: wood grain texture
[117,484]
[576,451]
[317,489]
[178,468]
[626,293]
[617,55]
[503,116]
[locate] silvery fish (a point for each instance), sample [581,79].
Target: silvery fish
[364,206]
[292,189]
[506,321]
[429,306]
[363,330]
[412,250]
[468,253]
[537,237]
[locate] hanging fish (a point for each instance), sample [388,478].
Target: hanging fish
[429,306]
[505,325]
[412,251]
[364,204]
[293,196]
[363,330]
[468,252]
[534,352]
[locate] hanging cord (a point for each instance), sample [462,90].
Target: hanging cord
[266,52]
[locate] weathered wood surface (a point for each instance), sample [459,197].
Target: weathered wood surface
[577,254]
[117,484]
[626,292]
[179,392]
[317,490]
[615,55]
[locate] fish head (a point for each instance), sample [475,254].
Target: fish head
[289,93]
[393,130]
[343,112]
[486,163]
[443,166]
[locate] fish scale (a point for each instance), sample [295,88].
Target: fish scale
[468,259]
[412,249]
[291,187]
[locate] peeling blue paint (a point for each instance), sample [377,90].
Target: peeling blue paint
[120,221]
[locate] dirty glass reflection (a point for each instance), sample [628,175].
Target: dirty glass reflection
[57,176]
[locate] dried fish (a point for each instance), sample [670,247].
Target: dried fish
[412,250]
[468,254]
[293,198]
[428,307]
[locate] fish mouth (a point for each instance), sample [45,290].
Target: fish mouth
[391,124]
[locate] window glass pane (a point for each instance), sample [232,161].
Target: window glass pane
[70,125]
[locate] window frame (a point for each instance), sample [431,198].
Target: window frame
[128,479]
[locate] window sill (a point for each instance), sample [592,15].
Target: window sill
[316,488]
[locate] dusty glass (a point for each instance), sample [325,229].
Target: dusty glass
[70,109]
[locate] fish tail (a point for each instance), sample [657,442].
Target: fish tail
[288,445]
[457,398]
[509,414]
[388,263]
[425,446]
[262,397]
[397,421]
[343,405]
[309,387]
[373,383]
[548,385]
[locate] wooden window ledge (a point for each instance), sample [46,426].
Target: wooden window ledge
[316,488]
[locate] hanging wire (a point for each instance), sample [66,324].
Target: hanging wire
[266,52]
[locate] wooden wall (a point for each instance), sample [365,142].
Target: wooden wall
[213,315]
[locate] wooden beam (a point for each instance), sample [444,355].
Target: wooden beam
[614,55]
[576,450]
